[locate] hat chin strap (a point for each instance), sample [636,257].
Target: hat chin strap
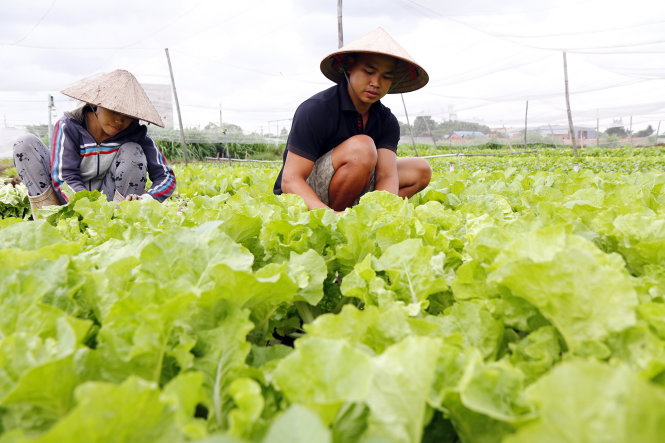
[398,81]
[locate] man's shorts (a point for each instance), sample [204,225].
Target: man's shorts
[321,175]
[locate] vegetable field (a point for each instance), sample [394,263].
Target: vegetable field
[517,299]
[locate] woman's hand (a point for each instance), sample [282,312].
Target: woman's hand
[133,197]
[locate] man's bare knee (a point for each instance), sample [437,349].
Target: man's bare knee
[358,150]
[424,172]
[414,175]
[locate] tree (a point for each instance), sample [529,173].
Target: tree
[644,132]
[617,131]
[422,125]
[453,125]
[440,130]
[229,128]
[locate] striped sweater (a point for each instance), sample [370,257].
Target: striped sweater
[78,160]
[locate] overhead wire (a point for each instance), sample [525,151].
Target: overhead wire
[39,22]
[508,37]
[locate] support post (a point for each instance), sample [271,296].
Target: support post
[50,122]
[571,128]
[429,129]
[413,141]
[526,114]
[510,145]
[340,31]
[177,106]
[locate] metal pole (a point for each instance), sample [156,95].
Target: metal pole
[630,130]
[571,129]
[177,106]
[413,141]
[340,32]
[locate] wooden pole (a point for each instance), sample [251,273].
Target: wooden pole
[430,133]
[413,141]
[340,31]
[50,123]
[526,113]
[597,130]
[571,128]
[554,141]
[507,137]
[177,107]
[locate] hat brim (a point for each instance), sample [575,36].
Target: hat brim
[409,76]
[117,91]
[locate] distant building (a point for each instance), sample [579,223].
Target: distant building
[160,96]
[561,132]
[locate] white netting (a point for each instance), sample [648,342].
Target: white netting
[257,60]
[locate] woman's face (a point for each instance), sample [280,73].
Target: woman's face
[111,122]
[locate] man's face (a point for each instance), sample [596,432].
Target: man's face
[370,78]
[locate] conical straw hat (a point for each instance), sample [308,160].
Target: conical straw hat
[118,91]
[409,77]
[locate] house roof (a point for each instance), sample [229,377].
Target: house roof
[467,133]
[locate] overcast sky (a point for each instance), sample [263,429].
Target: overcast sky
[258,59]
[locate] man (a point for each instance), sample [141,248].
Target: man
[343,140]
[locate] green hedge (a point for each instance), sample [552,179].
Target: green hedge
[199,151]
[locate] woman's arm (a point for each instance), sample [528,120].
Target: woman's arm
[66,158]
[161,175]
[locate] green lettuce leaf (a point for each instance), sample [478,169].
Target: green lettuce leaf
[131,411]
[298,425]
[583,292]
[589,401]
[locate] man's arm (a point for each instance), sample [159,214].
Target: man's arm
[386,178]
[294,180]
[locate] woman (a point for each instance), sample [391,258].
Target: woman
[98,146]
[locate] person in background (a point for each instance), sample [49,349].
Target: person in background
[343,140]
[98,146]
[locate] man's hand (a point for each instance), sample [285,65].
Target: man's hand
[294,180]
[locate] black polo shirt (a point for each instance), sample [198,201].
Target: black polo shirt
[328,118]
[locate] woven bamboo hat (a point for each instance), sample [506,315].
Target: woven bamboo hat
[409,75]
[118,91]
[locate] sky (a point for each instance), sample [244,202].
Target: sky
[257,60]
